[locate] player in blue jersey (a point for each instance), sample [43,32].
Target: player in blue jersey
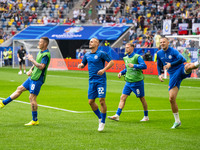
[134,81]
[37,77]
[97,78]
[171,60]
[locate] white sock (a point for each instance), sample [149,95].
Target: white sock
[176,117]
[196,64]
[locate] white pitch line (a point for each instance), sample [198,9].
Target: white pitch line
[48,107]
[84,112]
[161,110]
[45,106]
[190,87]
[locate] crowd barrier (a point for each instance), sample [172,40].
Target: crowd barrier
[117,67]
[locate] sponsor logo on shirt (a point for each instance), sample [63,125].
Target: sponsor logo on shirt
[170,56]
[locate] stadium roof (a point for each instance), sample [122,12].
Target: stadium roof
[72,32]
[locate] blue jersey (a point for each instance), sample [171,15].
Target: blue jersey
[96,62]
[172,56]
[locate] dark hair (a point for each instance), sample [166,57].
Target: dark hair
[46,39]
[22,46]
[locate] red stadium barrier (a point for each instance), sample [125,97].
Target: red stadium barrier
[57,63]
[72,64]
[118,66]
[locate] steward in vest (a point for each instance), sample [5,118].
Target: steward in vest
[10,56]
[5,57]
[134,81]
[107,43]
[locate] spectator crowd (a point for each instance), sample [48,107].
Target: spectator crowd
[18,14]
[146,17]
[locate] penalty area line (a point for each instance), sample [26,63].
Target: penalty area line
[85,112]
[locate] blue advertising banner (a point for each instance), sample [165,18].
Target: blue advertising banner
[72,32]
[140,51]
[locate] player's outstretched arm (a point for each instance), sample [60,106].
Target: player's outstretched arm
[167,66]
[30,71]
[130,65]
[119,75]
[81,66]
[108,66]
[160,77]
[123,72]
[38,65]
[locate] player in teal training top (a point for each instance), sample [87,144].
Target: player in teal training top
[97,78]
[37,77]
[134,81]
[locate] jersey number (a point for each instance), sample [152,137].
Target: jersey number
[101,90]
[32,86]
[138,91]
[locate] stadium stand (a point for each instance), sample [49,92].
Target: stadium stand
[146,17]
[18,14]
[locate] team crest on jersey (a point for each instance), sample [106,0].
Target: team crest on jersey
[170,56]
[95,57]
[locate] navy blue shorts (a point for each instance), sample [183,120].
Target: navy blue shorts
[96,90]
[176,78]
[33,86]
[136,87]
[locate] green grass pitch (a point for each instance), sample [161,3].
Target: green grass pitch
[74,126]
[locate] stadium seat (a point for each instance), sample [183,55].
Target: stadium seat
[148,15]
[12,20]
[39,21]
[145,30]
[1,41]
[9,23]
[33,9]
[56,6]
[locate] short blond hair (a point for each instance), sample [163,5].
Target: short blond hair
[131,44]
[96,40]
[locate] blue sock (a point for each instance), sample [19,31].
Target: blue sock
[103,117]
[6,101]
[146,113]
[98,113]
[34,114]
[119,111]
